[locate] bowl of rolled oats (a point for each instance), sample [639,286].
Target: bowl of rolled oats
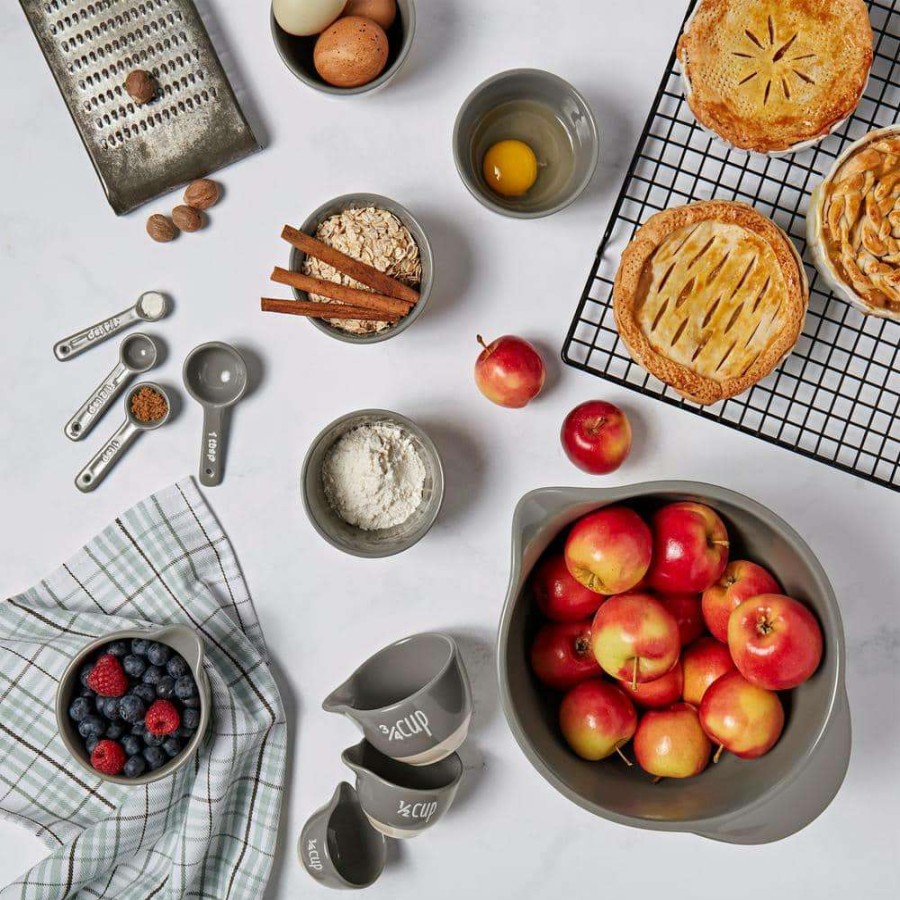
[381,233]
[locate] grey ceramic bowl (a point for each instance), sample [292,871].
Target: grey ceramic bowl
[184,641]
[352,540]
[361,201]
[470,142]
[738,801]
[297,53]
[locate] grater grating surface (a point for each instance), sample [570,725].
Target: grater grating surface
[194,125]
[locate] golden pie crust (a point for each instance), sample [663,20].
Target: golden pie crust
[710,298]
[774,75]
[858,214]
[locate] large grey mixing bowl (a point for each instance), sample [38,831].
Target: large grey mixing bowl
[739,801]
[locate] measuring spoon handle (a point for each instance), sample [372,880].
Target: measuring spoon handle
[95,406]
[77,343]
[98,468]
[212,448]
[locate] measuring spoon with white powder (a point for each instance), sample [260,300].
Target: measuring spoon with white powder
[150,307]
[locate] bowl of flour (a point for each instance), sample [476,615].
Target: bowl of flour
[372,483]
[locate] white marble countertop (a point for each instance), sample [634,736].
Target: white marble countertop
[67,260]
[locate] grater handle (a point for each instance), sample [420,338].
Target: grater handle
[83,340]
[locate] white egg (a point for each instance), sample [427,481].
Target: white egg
[305,17]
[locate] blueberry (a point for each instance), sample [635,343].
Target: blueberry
[91,726]
[90,743]
[139,646]
[81,707]
[152,675]
[114,731]
[132,744]
[132,708]
[158,654]
[109,707]
[177,667]
[191,703]
[155,757]
[83,674]
[172,747]
[135,666]
[135,766]
[117,648]
[87,692]
[185,687]
[165,687]
[146,692]
[154,740]
[190,719]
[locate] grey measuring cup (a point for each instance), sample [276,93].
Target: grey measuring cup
[215,375]
[106,457]
[338,846]
[150,307]
[137,354]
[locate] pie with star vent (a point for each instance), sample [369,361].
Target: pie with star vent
[773,76]
[710,298]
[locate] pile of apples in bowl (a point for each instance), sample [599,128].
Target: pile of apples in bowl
[671,657]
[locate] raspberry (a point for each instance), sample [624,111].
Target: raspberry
[108,757]
[162,718]
[107,677]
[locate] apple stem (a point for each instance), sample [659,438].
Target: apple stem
[719,753]
[634,674]
[480,340]
[657,780]
[625,759]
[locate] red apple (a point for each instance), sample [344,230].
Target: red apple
[597,437]
[561,655]
[609,550]
[740,581]
[509,372]
[670,743]
[597,719]
[635,638]
[740,717]
[704,662]
[690,548]
[659,693]
[558,595]
[775,641]
[688,615]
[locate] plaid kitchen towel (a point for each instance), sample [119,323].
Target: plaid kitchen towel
[209,830]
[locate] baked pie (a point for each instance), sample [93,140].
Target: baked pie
[710,298]
[774,76]
[854,225]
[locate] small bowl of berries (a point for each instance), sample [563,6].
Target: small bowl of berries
[133,706]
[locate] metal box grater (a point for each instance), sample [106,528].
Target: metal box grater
[193,126]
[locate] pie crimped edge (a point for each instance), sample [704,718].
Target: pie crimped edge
[627,298]
[764,137]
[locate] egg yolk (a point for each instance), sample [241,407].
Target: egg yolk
[510,168]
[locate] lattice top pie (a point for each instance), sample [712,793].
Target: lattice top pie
[855,224]
[774,75]
[710,298]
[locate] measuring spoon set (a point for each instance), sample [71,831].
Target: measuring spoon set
[214,374]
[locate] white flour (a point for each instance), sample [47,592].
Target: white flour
[374,477]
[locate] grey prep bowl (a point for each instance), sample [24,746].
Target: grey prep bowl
[355,541]
[526,84]
[297,53]
[738,801]
[184,641]
[362,201]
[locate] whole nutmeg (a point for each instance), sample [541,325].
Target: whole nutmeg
[202,194]
[140,86]
[186,218]
[161,229]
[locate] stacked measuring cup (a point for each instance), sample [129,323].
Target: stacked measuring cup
[413,702]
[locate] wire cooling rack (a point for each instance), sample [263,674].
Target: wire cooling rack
[836,398]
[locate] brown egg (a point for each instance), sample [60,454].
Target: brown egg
[351,52]
[381,11]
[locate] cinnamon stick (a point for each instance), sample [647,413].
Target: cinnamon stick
[333,291]
[357,270]
[324,310]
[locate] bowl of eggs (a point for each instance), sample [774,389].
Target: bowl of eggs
[526,143]
[344,47]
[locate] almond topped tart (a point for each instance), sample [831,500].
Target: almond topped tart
[775,76]
[853,225]
[710,298]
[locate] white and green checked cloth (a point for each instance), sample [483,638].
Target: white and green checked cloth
[209,830]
